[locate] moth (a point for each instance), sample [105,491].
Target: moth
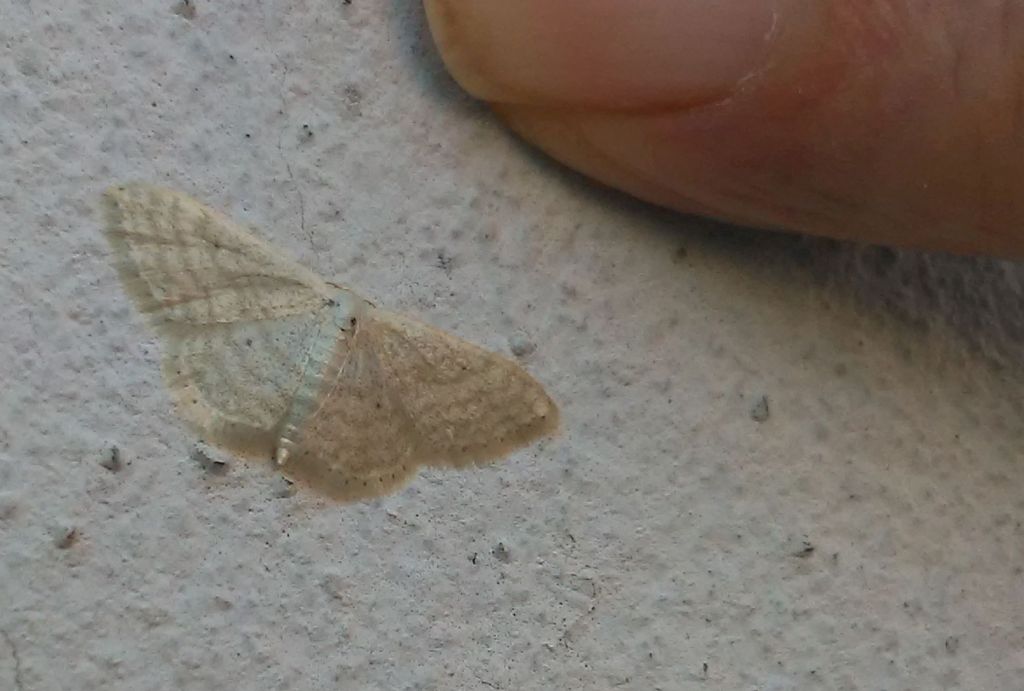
[265,359]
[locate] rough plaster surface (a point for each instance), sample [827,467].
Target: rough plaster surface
[862,529]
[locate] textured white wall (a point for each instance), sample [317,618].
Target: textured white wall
[664,530]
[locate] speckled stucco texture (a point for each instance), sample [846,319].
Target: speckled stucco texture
[862,532]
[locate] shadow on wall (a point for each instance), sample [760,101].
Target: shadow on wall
[423,59]
[979,300]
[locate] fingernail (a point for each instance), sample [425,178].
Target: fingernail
[606,53]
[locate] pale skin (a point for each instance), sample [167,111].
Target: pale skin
[893,122]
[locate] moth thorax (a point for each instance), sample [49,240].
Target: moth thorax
[346,309]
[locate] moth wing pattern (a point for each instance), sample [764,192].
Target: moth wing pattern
[402,395]
[264,358]
[234,316]
[359,442]
[469,406]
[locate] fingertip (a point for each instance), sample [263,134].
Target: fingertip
[603,53]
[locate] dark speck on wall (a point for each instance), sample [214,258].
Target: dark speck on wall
[501,553]
[214,466]
[112,461]
[67,538]
[185,9]
[761,410]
